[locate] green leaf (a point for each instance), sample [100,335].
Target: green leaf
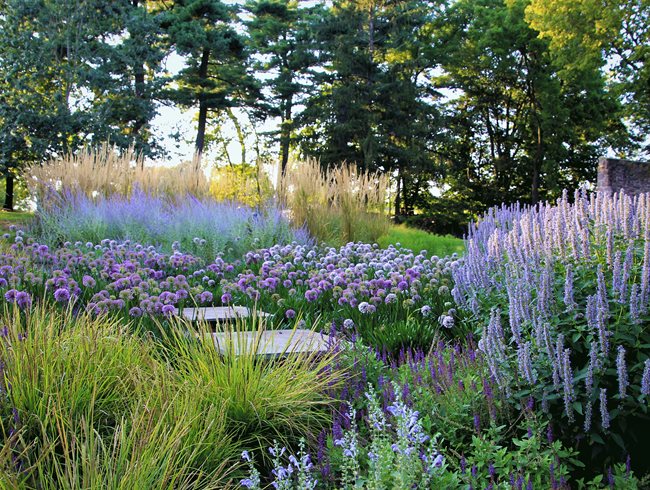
[596,438]
[577,406]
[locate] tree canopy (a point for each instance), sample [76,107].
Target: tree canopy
[463,103]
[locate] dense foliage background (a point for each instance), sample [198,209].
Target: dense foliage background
[488,101]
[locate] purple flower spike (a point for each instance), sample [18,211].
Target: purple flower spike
[645,379]
[621,371]
[604,414]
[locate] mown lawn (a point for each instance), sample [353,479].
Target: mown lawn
[418,240]
[8,218]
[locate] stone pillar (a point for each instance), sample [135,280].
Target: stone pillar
[631,176]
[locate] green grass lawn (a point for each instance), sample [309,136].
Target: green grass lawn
[8,218]
[418,240]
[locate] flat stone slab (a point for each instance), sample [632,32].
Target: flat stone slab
[219,313]
[272,342]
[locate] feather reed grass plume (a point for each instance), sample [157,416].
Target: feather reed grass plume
[338,204]
[105,171]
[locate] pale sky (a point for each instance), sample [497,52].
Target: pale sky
[171,119]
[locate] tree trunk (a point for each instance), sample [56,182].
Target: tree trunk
[285,135]
[241,138]
[138,75]
[537,166]
[9,193]
[398,194]
[203,105]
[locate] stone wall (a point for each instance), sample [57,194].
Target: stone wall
[631,176]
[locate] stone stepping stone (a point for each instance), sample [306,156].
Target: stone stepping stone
[272,342]
[219,314]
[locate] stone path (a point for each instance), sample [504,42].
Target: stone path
[272,342]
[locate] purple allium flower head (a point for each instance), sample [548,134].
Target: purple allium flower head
[23,300]
[226,298]
[290,313]
[364,307]
[10,296]
[135,312]
[168,310]
[62,295]
[390,298]
[446,321]
[88,281]
[205,297]
[348,323]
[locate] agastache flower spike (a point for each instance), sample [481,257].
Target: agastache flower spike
[567,375]
[617,274]
[635,300]
[621,370]
[588,415]
[645,379]
[627,270]
[593,363]
[525,364]
[604,414]
[569,302]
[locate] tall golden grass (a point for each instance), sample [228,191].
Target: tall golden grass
[338,204]
[106,171]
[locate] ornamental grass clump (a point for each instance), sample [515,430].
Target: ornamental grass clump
[86,404]
[562,292]
[264,398]
[337,205]
[106,171]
